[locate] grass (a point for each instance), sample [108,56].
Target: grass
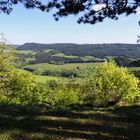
[25,51]
[134,68]
[62,66]
[60,71]
[44,122]
[88,58]
[66,56]
[85,58]
[54,68]
[48,50]
[40,78]
[44,79]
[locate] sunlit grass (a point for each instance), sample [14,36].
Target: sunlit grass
[71,65]
[25,51]
[134,68]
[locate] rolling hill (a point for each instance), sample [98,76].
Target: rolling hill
[95,50]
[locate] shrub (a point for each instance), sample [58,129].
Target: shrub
[21,89]
[62,95]
[110,82]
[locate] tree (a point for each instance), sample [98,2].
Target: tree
[92,11]
[16,86]
[7,58]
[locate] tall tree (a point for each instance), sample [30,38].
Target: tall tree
[92,11]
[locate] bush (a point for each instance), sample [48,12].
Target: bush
[111,83]
[22,89]
[62,95]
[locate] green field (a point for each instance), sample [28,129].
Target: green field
[25,51]
[54,56]
[134,68]
[81,66]
[85,58]
[60,67]
[53,69]
[58,70]
[66,56]
[63,66]
[71,70]
[44,79]
[48,50]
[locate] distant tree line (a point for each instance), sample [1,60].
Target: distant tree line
[95,50]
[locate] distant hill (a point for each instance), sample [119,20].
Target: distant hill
[95,50]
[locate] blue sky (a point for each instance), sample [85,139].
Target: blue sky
[35,26]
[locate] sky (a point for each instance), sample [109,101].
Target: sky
[24,25]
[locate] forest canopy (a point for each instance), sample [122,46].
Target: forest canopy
[91,11]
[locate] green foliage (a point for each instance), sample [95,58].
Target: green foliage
[7,57]
[112,83]
[5,136]
[16,86]
[61,94]
[6,69]
[22,89]
[44,79]
[22,86]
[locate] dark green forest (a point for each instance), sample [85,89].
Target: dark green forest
[96,50]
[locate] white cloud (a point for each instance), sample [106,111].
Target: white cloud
[98,6]
[138,10]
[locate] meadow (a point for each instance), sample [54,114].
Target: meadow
[53,71]
[61,70]
[62,66]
